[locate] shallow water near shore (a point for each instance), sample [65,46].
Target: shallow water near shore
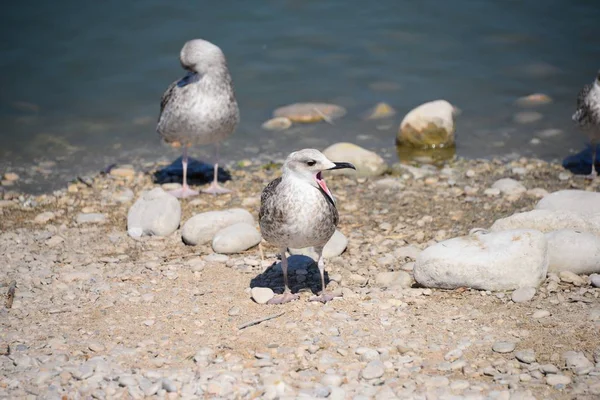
[81,84]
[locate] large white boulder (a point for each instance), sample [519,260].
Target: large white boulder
[574,251]
[578,201]
[547,221]
[487,261]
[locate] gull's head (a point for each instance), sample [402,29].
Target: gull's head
[201,56]
[308,164]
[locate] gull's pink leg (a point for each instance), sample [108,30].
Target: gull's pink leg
[287,295]
[214,187]
[185,190]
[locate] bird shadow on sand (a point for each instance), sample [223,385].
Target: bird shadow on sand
[303,274]
[198,173]
[581,163]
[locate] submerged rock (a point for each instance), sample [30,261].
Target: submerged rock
[429,125]
[381,111]
[487,261]
[310,112]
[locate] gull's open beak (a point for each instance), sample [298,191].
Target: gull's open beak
[341,165]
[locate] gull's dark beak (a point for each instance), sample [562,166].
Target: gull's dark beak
[342,165]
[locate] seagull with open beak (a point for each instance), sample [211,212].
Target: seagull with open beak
[298,210]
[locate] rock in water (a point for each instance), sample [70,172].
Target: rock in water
[334,247]
[430,125]
[236,238]
[154,213]
[574,251]
[546,221]
[579,201]
[310,112]
[201,228]
[277,124]
[367,163]
[487,261]
[381,111]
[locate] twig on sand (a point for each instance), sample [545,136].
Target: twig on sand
[325,117]
[10,295]
[258,321]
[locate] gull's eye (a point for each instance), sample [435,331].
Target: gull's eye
[311,163]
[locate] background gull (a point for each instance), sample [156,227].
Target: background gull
[587,116]
[200,108]
[297,210]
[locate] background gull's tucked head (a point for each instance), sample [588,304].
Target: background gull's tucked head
[198,55]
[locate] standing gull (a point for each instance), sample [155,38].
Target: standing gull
[297,210]
[200,108]
[587,116]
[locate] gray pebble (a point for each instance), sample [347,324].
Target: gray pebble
[373,370]
[541,314]
[523,294]
[527,356]
[556,379]
[91,218]
[503,347]
[595,280]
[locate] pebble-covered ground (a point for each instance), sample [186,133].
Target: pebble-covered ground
[98,314]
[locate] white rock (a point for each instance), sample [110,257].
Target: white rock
[570,277]
[44,217]
[522,295]
[509,186]
[91,218]
[578,201]
[334,247]
[595,280]
[201,228]
[540,314]
[503,347]
[236,238]
[488,261]
[575,251]
[429,124]
[262,294]
[557,379]
[394,279]
[547,221]
[367,163]
[155,213]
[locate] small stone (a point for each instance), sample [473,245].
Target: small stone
[549,369]
[96,347]
[123,196]
[262,295]
[277,124]
[91,218]
[393,279]
[235,310]
[124,171]
[556,379]
[570,277]
[541,314]
[11,176]
[503,347]
[169,385]
[149,322]
[523,294]
[373,370]
[527,356]
[595,280]
[453,355]
[535,99]
[44,217]
[509,186]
